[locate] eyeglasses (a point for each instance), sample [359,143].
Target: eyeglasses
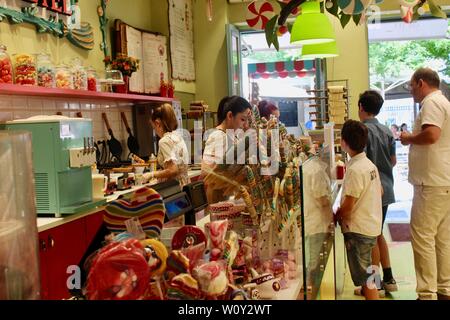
[407,86]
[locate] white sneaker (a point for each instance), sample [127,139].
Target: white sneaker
[358,292]
[390,286]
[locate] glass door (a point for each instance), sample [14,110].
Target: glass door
[234,61]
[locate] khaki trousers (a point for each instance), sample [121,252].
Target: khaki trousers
[430,232]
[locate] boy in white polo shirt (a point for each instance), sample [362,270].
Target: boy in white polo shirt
[360,213]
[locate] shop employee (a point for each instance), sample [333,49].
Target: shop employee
[173,156]
[232,115]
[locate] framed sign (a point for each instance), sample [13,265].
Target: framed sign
[181,40]
[151,49]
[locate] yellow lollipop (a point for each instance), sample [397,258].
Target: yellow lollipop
[156,254]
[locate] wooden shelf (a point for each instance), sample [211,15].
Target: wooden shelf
[18,90]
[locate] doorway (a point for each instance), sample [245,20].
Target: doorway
[396,49]
[280,77]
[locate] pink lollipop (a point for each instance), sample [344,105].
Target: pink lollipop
[217,231]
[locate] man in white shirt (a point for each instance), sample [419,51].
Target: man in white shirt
[360,214]
[429,173]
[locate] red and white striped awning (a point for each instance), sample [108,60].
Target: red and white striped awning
[281,69]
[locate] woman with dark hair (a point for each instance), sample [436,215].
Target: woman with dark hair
[267,109]
[232,115]
[404,127]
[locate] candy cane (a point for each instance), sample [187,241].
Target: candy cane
[258,14]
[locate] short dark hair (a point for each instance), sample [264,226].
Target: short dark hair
[235,104]
[371,102]
[428,75]
[266,108]
[355,134]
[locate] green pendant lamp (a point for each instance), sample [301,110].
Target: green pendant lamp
[312,26]
[320,51]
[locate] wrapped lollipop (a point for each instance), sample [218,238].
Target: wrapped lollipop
[249,203]
[289,189]
[296,184]
[156,255]
[231,248]
[267,182]
[217,231]
[212,278]
[194,253]
[119,272]
[275,195]
[257,196]
[177,263]
[285,220]
[183,287]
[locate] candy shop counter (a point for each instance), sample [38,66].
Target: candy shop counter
[44,223]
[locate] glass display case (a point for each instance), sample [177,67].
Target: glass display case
[19,266]
[324,253]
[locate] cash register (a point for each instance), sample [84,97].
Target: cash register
[187,201]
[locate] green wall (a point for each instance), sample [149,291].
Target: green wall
[211,53]
[23,38]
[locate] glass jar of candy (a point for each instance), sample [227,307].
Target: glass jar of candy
[25,69]
[91,79]
[79,75]
[6,75]
[63,77]
[45,71]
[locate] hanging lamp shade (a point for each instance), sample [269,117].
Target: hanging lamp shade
[320,51]
[312,26]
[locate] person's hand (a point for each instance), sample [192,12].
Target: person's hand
[405,138]
[148,176]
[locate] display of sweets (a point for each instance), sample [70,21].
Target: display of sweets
[92,79]
[63,77]
[5,66]
[25,69]
[79,75]
[45,71]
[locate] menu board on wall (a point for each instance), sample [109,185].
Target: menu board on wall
[182,40]
[151,50]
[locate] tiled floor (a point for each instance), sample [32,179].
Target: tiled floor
[402,262]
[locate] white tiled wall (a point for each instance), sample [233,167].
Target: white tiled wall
[13,107]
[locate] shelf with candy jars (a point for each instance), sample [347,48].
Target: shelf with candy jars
[6,72]
[79,75]
[25,72]
[63,77]
[45,71]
